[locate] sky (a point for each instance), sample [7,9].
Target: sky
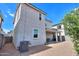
[55,12]
[8,11]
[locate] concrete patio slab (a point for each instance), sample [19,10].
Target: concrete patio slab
[54,49]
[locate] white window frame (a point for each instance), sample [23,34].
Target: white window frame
[33,33]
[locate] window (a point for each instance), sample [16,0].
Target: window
[45,24]
[35,33]
[59,27]
[39,16]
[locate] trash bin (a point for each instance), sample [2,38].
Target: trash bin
[24,46]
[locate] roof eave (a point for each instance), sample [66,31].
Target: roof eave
[34,7]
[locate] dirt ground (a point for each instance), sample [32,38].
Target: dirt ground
[54,49]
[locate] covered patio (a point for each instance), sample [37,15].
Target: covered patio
[54,35]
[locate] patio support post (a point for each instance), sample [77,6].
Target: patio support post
[60,37]
[56,36]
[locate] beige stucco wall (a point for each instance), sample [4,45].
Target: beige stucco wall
[48,24]
[17,16]
[29,20]
[0,20]
[61,30]
[16,25]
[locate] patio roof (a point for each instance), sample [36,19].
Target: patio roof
[52,30]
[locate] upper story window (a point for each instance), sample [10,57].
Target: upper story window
[40,17]
[59,27]
[45,24]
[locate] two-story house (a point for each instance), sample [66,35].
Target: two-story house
[1,31]
[60,31]
[55,32]
[1,20]
[31,25]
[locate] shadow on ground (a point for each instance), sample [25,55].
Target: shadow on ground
[36,49]
[10,50]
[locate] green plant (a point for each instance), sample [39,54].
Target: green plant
[71,24]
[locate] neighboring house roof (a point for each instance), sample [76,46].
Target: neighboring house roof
[2,32]
[48,20]
[9,34]
[56,24]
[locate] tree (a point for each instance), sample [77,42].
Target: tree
[1,15]
[71,24]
